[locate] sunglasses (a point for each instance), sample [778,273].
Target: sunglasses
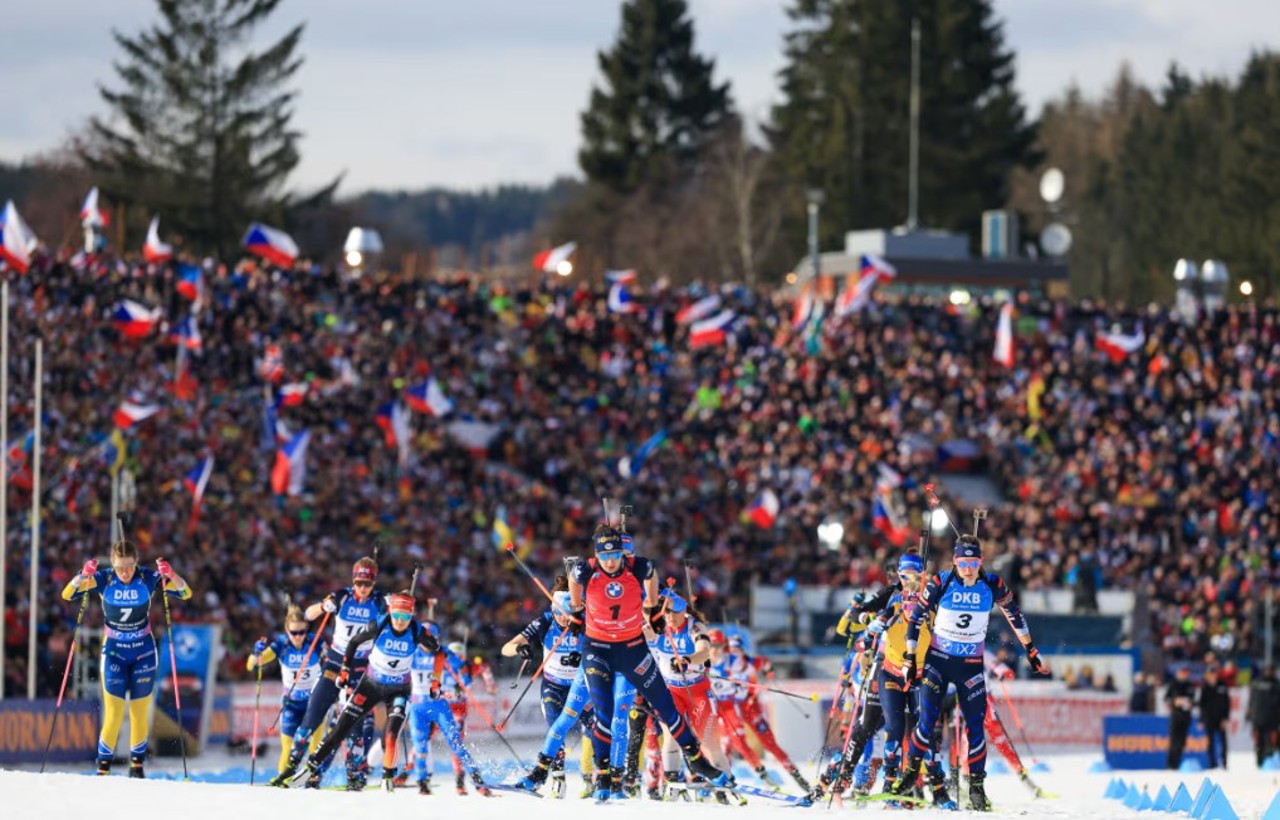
[123,565]
[611,555]
[401,616]
[362,583]
[968,563]
[299,633]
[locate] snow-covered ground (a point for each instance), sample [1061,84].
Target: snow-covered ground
[26,794]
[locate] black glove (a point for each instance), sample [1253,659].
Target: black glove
[680,664]
[909,668]
[654,616]
[429,642]
[525,651]
[575,623]
[1033,657]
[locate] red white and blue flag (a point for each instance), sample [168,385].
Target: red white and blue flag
[289,473]
[292,394]
[190,281]
[394,421]
[1003,353]
[271,244]
[186,334]
[885,519]
[620,299]
[1118,346]
[626,276]
[153,250]
[711,331]
[427,397]
[549,261]
[134,321]
[17,241]
[271,367]
[92,216]
[195,482]
[700,309]
[130,413]
[874,270]
[763,512]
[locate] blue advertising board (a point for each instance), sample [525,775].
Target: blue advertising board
[25,727]
[1142,742]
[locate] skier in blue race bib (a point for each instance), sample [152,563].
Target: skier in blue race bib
[299,673]
[960,603]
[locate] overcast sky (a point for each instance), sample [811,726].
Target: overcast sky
[467,93]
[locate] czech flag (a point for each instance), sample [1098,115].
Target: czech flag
[1118,346]
[549,261]
[130,413]
[427,397]
[134,321]
[393,420]
[290,470]
[621,300]
[272,244]
[1003,353]
[886,520]
[271,367]
[711,331]
[91,216]
[189,284]
[155,251]
[700,309]
[802,311]
[17,241]
[195,482]
[763,512]
[186,334]
[621,277]
[292,394]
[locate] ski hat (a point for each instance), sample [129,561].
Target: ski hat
[606,539]
[560,604]
[674,602]
[910,562]
[363,572]
[457,648]
[968,546]
[716,637]
[401,604]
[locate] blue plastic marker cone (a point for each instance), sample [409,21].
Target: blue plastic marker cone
[1272,764]
[1218,808]
[1191,765]
[1273,811]
[1146,803]
[1132,797]
[1095,767]
[1110,789]
[1182,799]
[1120,790]
[998,766]
[1040,766]
[1163,799]
[1202,797]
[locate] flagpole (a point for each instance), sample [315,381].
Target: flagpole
[4,461]
[33,602]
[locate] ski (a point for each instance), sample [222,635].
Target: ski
[768,794]
[503,787]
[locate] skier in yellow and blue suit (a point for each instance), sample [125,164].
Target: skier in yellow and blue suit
[128,649]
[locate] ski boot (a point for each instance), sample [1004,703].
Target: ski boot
[290,769]
[537,775]
[388,779]
[616,792]
[795,775]
[478,782]
[941,798]
[701,767]
[631,783]
[314,781]
[588,789]
[135,767]
[357,779]
[104,767]
[862,779]
[402,779]
[905,785]
[424,786]
[460,782]
[558,787]
[977,793]
[603,787]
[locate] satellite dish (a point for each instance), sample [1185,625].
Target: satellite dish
[1052,184]
[1055,239]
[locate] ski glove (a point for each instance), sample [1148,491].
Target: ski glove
[89,568]
[166,571]
[1033,657]
[680,664]
[329,604]
[525,651]
[909,668]
[260,646]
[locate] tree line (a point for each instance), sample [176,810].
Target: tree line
[677,183]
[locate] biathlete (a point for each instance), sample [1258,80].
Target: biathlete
[434,671]
[128,648]
[960,602]
[352,609]
[291,649]
[610,592]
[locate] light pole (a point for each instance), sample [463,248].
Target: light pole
[815,198]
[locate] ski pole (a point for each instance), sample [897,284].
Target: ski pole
[257,700]
[1017,721]
[523,665]
[305,660]
[934,501]
[71,653]
[479,708]
[173,664]
[811,698]
[546,657]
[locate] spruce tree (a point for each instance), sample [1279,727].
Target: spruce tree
[199,128]
[844,122]
[658,105]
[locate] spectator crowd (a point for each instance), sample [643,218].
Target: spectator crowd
[1155,471]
